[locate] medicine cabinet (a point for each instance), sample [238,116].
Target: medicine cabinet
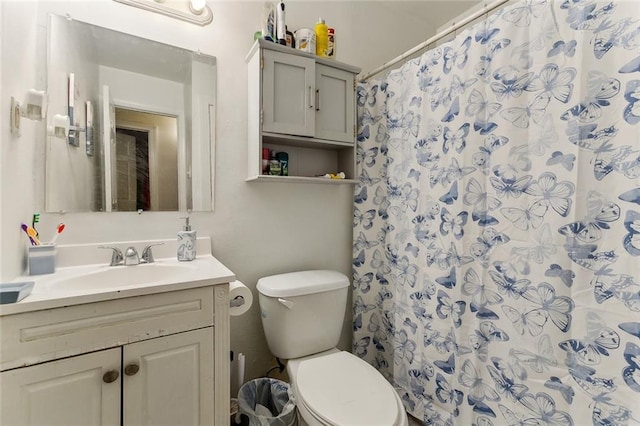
[302,105]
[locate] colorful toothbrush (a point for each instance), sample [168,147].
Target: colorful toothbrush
[33,237]
[59,230]
[34,220]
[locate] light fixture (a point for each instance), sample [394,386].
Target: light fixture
[34,108]
[194,11]
[197,6]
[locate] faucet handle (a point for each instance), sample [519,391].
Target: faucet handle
[147,254]
[116,257]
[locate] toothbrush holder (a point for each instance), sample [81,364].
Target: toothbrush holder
[42,259]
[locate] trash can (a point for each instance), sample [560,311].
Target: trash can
[267,401]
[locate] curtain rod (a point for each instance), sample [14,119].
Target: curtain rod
[454,27]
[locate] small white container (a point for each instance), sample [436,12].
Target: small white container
[42,259]
[306,40]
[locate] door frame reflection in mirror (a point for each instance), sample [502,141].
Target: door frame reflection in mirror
[162,150]
[193,104]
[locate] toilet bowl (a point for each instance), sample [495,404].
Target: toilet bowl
[338,388]
[302,317]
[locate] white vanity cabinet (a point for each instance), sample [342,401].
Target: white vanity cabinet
[302,105]
[147,360]
[169,380]
[70,391]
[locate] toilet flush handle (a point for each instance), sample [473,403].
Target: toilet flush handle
[288,303]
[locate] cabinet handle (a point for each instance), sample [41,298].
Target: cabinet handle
[310,97]
[317,99]
[131,369]
[110,376]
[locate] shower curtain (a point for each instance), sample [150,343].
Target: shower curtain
[497,220]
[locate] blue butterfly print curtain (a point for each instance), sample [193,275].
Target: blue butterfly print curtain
[497,220]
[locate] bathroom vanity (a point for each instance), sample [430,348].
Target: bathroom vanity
[119,350]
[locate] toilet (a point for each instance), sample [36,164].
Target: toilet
[302,316]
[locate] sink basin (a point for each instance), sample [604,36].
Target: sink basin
[116,277]
[123,276]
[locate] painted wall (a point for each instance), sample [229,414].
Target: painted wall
[257,229]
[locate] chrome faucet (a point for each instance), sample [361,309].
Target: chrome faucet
[130,256]
[116,256]
[147,254]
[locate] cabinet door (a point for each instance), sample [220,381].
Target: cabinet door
[288,95]
[71,391]
[335,109]
[173,381]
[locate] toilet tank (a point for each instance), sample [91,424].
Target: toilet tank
[302,312]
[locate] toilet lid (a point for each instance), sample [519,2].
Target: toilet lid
[342,389]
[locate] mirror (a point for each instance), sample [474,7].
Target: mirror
[142,135]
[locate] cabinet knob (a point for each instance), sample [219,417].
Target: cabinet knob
[110,376]
[131,369]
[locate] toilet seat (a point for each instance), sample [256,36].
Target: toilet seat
[341,389]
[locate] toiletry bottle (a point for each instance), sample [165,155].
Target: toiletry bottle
[283,160]
[186,242]
[269,21]
[322,38]
[331,43]
[266,156]
[291,40]
[274,165]
[281,27]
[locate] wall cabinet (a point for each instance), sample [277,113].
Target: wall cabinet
[302,105]
[147,360]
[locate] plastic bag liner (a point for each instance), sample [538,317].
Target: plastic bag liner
[267,401]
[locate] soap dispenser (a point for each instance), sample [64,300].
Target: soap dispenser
[186,242]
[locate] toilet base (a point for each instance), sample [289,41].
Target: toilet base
[306,417]
[304,414]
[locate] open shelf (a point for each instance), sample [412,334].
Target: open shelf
[300,179]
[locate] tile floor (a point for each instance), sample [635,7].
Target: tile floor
[415,422]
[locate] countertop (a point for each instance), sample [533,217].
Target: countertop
[205,270]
